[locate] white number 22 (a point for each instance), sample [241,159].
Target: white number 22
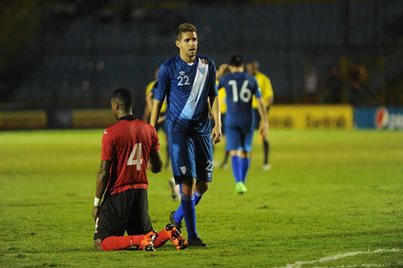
[135,157]
[183,80]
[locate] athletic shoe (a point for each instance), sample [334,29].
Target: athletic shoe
[177,225]
[174,189]
[244,189]
[176,238]
[196,242]
[266,167]
[147,244]
[240,188]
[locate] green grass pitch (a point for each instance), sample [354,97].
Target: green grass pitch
[332,198]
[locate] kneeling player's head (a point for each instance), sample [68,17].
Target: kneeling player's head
[121,102]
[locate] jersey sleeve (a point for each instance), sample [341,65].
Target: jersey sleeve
[257,90]
[107,145]
[163,83]
[149,87]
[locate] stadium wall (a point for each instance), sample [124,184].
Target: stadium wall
[280,117]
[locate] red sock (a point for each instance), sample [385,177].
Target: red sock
[121,242]
[162,238]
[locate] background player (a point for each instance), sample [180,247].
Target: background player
[223,70]
[239,121]
[267,95]
[127,147]
[188,82]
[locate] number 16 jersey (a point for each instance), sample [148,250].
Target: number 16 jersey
[239,89]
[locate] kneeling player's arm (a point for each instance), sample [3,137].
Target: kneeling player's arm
[102,178]
[155,161]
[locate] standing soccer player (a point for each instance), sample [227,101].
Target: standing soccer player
[239,120]
[188,82]
[127,147]
[267,94]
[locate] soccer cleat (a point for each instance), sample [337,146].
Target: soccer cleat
[240,188]
[177,225]
[196,242]
[174,189]
[266,167]
[176,238]
[147,244]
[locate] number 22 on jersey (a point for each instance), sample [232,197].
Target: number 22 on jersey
[135,158]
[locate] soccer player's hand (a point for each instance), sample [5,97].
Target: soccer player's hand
[216,134]
[95,212]
[264,128]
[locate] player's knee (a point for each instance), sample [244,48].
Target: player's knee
[97,245]
[201,187]
[188,185]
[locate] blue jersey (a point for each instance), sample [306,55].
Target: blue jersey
[187,88]
[239,89]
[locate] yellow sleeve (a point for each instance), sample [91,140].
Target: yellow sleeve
[223,103]
[265,87]
[149,87]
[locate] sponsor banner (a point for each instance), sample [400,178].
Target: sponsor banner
[311,116]
[379,117]
[92,118]
[23,119]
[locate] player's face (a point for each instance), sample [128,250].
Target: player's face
[187,44]
[114,108]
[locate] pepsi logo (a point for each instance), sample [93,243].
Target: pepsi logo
[381,118]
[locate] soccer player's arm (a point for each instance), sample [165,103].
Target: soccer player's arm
[149,101]
[159,94]
[264,123]
[268,93]
[103,172]
[155,158]
[215,107]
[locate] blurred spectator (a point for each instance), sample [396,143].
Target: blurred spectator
[359,93]
[311,86]
[334,86]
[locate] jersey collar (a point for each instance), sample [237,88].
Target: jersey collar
[127,117]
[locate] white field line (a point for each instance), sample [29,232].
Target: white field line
[341,256]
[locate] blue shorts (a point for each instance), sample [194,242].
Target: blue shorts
[239,138]
[191,156]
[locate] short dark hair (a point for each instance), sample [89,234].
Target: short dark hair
[183,28]
[124,97]
[236,60]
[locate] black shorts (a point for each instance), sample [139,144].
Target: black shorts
[126,211]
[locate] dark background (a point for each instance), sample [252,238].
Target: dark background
[72,54]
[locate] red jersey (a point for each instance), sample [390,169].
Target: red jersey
[127,144]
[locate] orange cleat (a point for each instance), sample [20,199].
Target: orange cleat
[176,238]
[147,244]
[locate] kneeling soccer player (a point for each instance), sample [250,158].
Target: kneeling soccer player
[127,147]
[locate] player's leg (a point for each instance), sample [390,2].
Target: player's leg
[234,143]
[183,166]
[245,154]
[111,225]
[204,174]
